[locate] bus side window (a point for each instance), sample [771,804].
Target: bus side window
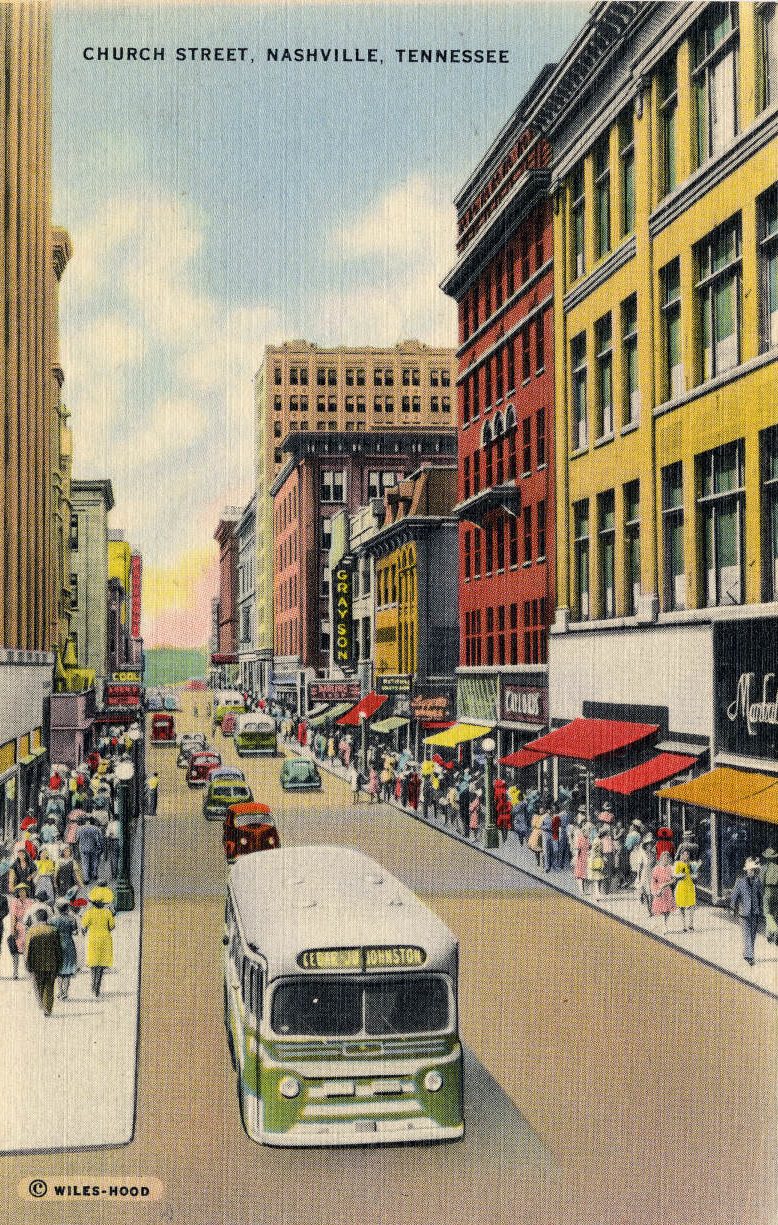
[256,988]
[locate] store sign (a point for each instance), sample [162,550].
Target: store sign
[131,677]
[746,687]
[333,691]
[393,683]
[136,566]
[524,704]
[122,695]
[369,957]
[342,613]
[431,710]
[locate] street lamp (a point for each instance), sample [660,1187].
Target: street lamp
[491,833]
[125,898]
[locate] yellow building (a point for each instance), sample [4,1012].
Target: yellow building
[119,561]
[663,122]
[300,386]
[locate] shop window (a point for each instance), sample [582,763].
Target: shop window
[767,28]
[602,197]
[721,511]
[668,122]
[767,212]
[606,548]
[717,299]
[577,223]
[580,422]
[627,167]
[629,360]
[672,352]
[715,48]
[581,546]
[604,354]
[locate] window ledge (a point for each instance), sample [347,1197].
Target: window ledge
[579,452]
[630,427]
[719,380]
[603,440]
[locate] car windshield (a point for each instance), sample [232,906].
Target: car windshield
[250,818]
[300,771]
[337,1007]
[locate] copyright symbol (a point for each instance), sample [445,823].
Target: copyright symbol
[38,1188]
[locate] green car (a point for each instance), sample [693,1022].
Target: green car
[297,774]
[221,793]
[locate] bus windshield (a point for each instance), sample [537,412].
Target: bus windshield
[337,1007]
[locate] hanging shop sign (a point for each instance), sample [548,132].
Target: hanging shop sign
[343,613]
[393,683]
[122,695]
[333,691]
[746,687]
[431,710]
[524,704]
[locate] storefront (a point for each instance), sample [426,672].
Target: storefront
[514,703]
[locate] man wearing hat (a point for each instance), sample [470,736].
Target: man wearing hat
[44,958]
[769,874]
[748,900]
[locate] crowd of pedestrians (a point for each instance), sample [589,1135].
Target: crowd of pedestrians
[55,879]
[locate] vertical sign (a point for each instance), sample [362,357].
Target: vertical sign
[342,607]
[135,585]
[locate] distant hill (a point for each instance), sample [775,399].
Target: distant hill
[173,665]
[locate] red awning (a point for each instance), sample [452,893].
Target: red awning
[436,725]
[586,739]
[520,759]
[658,770]
[367,705]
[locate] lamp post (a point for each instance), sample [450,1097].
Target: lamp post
[363,743]
[491,833]
[125,898]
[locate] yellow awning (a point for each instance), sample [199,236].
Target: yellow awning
[458,734]
[739,792]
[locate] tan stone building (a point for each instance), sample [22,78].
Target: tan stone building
[299,386]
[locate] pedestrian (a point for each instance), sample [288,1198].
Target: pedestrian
[452,805]
[68,874]
[50,830]
[605,815]
[98,923]
[769,874]
[474,814]
[563,845]
[747,900]
[645,861]
[20,907]
[91,847]
[331,749]
[152,784]
[66,925]
[44,881]
[582,848]
[535,840]
[386,780]
[113,836]
[502,806]
[685,893]
[373,785]
[520,820]
[631,848]
[414,788]
[21,871]
[44,958]
[352,778]
[663,899]
[596,868]
[608,856]
[664,841]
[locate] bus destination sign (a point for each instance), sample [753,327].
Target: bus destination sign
[369,957]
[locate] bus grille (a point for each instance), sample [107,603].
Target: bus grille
[363,1048]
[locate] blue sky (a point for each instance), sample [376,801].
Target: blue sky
[218,207]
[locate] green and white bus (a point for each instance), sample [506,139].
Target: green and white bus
[340,1002]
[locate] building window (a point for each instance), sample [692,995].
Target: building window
[768,260]
[524,252]
[602,197]
[603,334]
[513,542]
[768,39]
[670,277]
[769,445]
[434,404]
[416,404]
[627,162]
[277,455]
[293,404]
[476,385]
[332,485]
[631,547]
[489,542]
[321,376]
[349,376]
[499,284]
[629,360]
[445,378]
[467,556]
[668,135]
[526,446]
[527,525]
[717,299]
[577,223]
[540,344]
[73,591]
[349,404]
[477,553]
[488,383]
[540,437]
[581,559]
[277,375]
[73,542]
[445,404]
[539,241]
[526,368]
[361,408]
[606,533]
[542,529]
[332,404]
[499,379]
[378,482]
[277,404]
[320,404]
[332,376]
[580,437]
[721,507]
[500,541]
[715,79]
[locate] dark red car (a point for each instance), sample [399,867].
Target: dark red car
[245,830]
[201,767]
[163,729]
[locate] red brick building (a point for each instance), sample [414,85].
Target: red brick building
[503,284]
[323,474]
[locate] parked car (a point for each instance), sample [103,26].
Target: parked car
[247,829]
[220,793]
[163,729]
[297,774]
[189,743]
[201,766]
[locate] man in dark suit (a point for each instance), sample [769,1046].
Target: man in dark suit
[44,959]
[747,898]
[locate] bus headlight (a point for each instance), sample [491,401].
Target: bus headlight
[288,1086]
[433,1081]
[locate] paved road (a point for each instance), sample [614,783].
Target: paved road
[609,1079]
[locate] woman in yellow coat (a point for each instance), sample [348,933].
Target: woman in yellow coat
[685,892]
[98,923]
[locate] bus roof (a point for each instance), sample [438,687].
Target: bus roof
[294,899]
[254,720]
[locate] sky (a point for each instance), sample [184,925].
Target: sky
[216,207]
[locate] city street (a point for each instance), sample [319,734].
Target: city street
[587,1043]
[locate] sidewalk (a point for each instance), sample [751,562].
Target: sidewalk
[69,1079]
[716,939]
